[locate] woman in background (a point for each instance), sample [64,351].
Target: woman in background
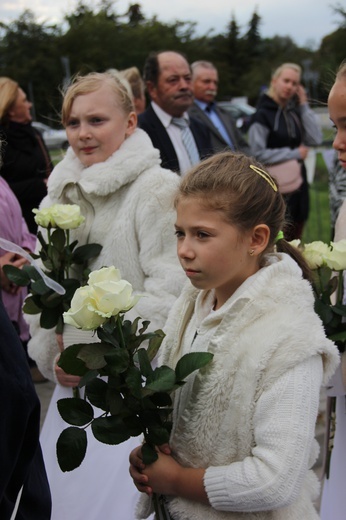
[282,128]
[26,162]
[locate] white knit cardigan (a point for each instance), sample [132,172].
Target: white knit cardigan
[127,202]
[265,336]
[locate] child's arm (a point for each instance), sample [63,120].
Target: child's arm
[167,477]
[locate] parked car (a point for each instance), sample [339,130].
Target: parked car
[241,113]
[52,138]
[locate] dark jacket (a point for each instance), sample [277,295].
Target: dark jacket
[20,452]
[25,165]
[152,125]
[217,141]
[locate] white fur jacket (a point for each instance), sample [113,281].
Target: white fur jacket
[127,202]
[249,416]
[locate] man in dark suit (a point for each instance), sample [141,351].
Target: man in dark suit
[223,130]
[167,76]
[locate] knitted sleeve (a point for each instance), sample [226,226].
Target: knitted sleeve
[284,425]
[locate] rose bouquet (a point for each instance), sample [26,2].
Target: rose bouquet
[131,398]
[328,263]
[52,288]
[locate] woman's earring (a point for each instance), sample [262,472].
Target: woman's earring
[251,252]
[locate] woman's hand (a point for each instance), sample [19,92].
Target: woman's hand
[63,378]
[303,150]
[16,261]
[303,99]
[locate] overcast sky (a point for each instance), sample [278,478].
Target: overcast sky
[305,21]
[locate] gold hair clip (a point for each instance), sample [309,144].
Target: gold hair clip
[265,176]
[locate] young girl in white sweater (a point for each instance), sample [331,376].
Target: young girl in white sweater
[242,443]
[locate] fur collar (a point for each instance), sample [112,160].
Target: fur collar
[135,155]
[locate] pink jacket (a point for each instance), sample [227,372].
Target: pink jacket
[13,227]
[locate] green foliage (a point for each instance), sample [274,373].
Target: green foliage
[98,38]
[133,398]
[57,256]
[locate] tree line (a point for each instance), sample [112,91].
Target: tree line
[42,57]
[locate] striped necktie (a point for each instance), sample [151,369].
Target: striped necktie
[187,138]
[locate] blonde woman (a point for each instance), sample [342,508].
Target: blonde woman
[26,162]
[281,130]
[112,171]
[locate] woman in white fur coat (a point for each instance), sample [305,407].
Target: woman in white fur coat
[112,171]
[242,444]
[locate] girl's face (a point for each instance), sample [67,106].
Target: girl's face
[337,113]
[97,127]
[20,110]
[213,253]
[285,85]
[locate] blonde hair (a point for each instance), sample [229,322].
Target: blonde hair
[8,95]
[277,72]
[246,195]
[133,76]
[341,72]
[92,82]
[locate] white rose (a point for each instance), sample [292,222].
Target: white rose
[316,253]
[82,313]
[337,257]
[66,216]
[43,217]
[295,243]
[111,294]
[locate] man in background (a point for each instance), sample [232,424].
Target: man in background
[182,140]
[223,130]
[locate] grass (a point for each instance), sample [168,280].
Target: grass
[318,226]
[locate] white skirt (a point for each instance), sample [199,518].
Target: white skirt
[101,487]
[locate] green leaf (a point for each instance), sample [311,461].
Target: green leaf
[157,435]
[58,239]
[338,337]
[149,454]
[70,363]
[55,257]
[32,272]
[17,276]
[324,311]
[30,306]
[49,318]
[191,362]
[105,334]
[97,393]
[134,382]
[161,399]
[39,287]
[161,380]
[84,253]
[133,425]
[71,448]
[155,343]
[144,362]
[116,401]
[118,360]
[75,411]
[110,430]
[93,355]
[89,376]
